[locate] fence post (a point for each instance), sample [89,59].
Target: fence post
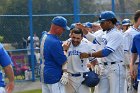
[113,6]
[31,38]
[76,5]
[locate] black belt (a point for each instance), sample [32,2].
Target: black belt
[76,75]
[136,63]
[107,63]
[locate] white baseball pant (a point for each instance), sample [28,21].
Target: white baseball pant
[112,79]
[2,90]
[53,88]
[75,86]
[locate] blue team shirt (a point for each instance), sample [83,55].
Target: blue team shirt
[54,59]
[136,49]
[5,60]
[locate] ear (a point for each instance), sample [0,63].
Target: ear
[139,20]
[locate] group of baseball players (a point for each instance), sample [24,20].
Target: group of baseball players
[106,47]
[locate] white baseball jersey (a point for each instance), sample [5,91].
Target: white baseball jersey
[97,45]
[35,43]
[75,64]
[128,39]
[111,40]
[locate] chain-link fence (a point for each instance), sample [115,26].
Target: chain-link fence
[15,21]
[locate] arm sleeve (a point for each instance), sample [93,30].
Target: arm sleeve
[133,49]
[91,50]
[5,59]
[126,42]
[106,52]
[90,37]
[58,54]
[114,42]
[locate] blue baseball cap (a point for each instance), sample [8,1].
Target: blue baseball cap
[126,22]
[73,25]
[60,21]
[118,23]
[88,24]
[106,15]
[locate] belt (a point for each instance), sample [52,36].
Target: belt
[136,63]
[76,74]
[110,63]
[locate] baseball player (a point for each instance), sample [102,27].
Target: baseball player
[96,27]
[36,46]
[88,25]
[126,23]
[128,38]
[5,62]
[119,26]
[98,32]
[135,52]
[130,33]
[77,67]
[54,69]
[112,72]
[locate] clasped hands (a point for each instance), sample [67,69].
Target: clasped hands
[85,55]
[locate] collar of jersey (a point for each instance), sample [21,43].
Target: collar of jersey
[53,35]
[109,30]
[135,29]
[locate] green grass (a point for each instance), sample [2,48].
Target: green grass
[32,91]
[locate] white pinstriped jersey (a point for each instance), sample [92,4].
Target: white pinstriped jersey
[98,46]
[111,40]
[128,39]
[75,64]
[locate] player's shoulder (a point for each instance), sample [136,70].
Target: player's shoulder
[86,43]
[1,46]
[116,33]
[128,31]
[98,33]
[52,40]
[137,36]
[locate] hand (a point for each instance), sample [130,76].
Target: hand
[84,55]
[81,26]
[132,72]
[9,87]
[97,69]
[89,65]
[66,45]
[64,79]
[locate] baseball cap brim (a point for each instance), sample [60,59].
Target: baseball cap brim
[100,21]
[126,24]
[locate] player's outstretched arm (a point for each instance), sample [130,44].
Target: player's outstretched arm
[81,26]
[64,79]
[10,75]
[132,69]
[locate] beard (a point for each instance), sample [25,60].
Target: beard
[75,43]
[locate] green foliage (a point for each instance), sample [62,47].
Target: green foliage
[13,28]
[32,91]
[18,27]
[1,38]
